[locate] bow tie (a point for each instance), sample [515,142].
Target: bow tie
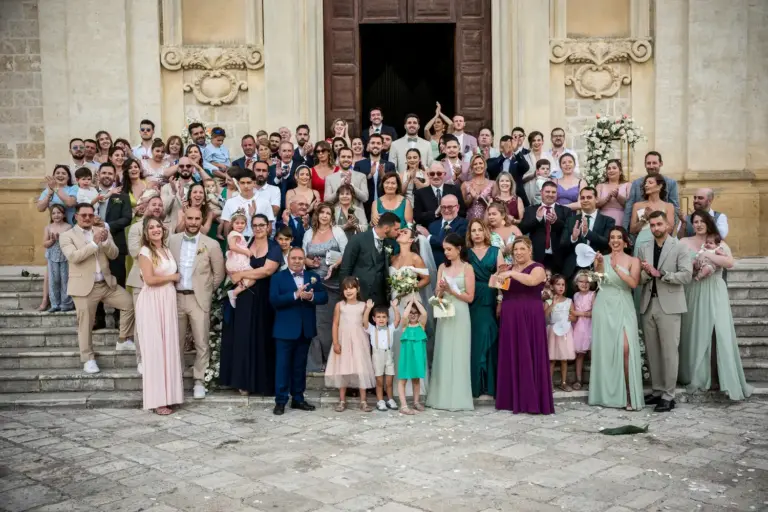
[412,139]
[187,238]
[380,328]
[298,274]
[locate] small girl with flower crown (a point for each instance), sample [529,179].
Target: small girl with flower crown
[582,327]
[560,331]
[238,255]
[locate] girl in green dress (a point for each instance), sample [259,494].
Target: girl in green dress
[616,376]
[709,351]
[412,363]
[486,260]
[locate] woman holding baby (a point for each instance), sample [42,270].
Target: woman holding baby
[709,352]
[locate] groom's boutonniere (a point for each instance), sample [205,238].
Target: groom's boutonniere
[447,228]
[117,200]
[312,280]
[388,250]
[200,251]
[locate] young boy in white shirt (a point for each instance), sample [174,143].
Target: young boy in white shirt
[85,192]
[382,335]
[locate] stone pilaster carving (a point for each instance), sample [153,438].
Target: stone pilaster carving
[595,76]
[217,85]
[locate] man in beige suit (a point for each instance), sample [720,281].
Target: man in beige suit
[411,140]
[357,180]
[153,209]
[201,266]
[666,268]
[88,251]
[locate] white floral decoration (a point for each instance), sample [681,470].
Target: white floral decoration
[599,139]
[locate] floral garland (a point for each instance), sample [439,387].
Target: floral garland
[599,140]
[214,335]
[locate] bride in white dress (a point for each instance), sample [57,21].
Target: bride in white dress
[422,264]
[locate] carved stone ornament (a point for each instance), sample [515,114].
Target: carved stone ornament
[596,78]
[216,85]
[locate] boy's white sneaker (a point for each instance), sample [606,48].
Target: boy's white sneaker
[381,405]
[392,404]
[91,367]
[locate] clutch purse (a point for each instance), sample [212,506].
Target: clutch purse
[499,284]
[442,308]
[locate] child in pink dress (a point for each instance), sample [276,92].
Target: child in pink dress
[560,331]
[238,255]
[582,327]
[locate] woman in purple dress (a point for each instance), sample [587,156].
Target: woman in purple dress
[523,382]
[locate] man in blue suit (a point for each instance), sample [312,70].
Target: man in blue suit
[248,143]
[294,217]
[281,174]
[449,223]
[294,293]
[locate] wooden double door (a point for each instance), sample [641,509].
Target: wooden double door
[471,51]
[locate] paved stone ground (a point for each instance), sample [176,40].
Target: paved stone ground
[230,458]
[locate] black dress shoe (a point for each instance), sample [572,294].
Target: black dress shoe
[279,409]
[652,399]
[304,406]
[664,406]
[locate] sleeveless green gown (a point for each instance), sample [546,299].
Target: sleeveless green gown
[613,315]
[709,312]
[485,331]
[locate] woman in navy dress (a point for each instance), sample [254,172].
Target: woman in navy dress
[247,349]
[523,381]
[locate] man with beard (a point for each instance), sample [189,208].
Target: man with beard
[154,209]
[147,132]
[666,269]
[281,173]
[77,151]
[373,168]
[411,140]
[248,144]
[345,176]
[197,134]
[201,267]
[174,193]
[653,165]
[113,209]
[377,127]
[303,153]
[264,191]
[274,144]
[386,145]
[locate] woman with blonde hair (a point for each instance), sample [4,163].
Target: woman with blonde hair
[340,128]
[324,245]
[303,189]
[156,321]
[477,189]
[503,230]
[505,191]
[324,166]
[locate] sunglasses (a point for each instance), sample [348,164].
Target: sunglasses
[185,166]
[435,174]
[321,151]
[86,215]
[449,207]
[145,129]
[78,147]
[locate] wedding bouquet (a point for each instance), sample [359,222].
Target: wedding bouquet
[403,282]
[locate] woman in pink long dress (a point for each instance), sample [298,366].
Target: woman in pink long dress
[156,321]
[613,192]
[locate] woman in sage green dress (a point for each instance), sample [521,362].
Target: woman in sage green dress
[485,260]
[616,376]
[709,351]
[450,386]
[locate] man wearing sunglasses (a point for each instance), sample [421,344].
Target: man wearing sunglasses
[174,193]
[88,250]
[426,201]
[77,151]
[147,131]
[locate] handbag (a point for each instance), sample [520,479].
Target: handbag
[502,284]
[442,308]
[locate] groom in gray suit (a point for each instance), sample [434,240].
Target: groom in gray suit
[666,268]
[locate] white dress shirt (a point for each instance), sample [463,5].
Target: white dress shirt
[299,280]
[721,222]
[590,218]
[381,339]
[187,256]
[235,203]
[142,153]
[268,193]
[88,235]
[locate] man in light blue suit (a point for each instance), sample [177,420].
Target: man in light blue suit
[653,165]
[294,293]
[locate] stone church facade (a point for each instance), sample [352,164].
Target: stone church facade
[692,73]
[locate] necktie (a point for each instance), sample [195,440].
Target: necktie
[446,225]
[248,163]
[378,244]
[378,129]
[547,229]
[438,195]
[588,220]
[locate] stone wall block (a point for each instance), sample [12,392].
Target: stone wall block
[30,150]
[37,133]
[7,98]
[30,10]
[13,115]
[7,151]
[23,28]
[12,46]
[28,98]
[14,80]
[7,168]
[29,168]
[26,63]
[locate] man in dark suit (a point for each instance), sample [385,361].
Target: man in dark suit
[512,161]
[426,201]
[248,143]
[294,293]
[366,257]
[374,168]
[303,152]
[439,228]
[295,217]
[544,225]
[590,227]
[114,209]
[377,126]
[281,175]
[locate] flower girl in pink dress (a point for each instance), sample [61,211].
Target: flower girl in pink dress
[582,327]
[238,255]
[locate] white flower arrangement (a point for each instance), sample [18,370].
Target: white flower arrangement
[214,336]
[403,282]
[599,138]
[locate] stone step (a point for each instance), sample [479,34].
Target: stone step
[751,327]
[70,379]
[14,319]
[52,337]
[755,369]
[18,283]
[20,300]
[753,348]
[747,290]
[749,308]
[67,357]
